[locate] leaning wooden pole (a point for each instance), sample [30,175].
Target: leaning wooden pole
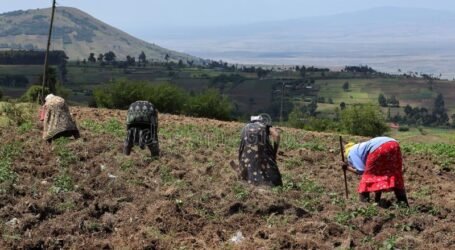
[46,56]
[344,171]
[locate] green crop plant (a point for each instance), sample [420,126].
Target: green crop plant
[389,244]
[166,175]
[65,156]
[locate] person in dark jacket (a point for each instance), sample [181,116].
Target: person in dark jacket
[142,128]
[257,155]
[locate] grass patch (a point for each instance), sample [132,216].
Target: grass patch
[7,154]
[25,127]
[166,175]
[314,146]
[196,137]
[444,154]
[368,211]
[65,156]
[292,163]
[112,126]
[126,164]
[240,192]
[63,183]
[66,206]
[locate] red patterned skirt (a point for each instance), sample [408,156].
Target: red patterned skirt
[383,170]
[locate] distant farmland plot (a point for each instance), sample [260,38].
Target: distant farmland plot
[251,94]
[413,92]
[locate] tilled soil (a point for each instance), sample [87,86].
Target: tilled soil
[85,194]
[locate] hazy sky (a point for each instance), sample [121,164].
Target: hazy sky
[134,16]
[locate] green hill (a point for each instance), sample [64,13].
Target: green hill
[77,33]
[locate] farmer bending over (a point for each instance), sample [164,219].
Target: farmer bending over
[142,126]
[57,120]
[257,156]
[380,164]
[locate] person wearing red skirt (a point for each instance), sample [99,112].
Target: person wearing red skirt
[380,164]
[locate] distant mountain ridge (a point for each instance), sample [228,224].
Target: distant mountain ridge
[78,34]
[387,38]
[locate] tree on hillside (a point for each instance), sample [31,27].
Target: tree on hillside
[408,110]
[439,111]
[302,71]
[382,100]
[25,57]
[109,57]
[366,120]
[167,57]
[311,108]
[92,58]
[453,120]
[260,72]
[100,58]
[295,118]
[130,61]
[393,102]
[51,79]
[346,86]
[142,58]
[342,105]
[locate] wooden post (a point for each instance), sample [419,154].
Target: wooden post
[344,171]
[281,105]
[46,59]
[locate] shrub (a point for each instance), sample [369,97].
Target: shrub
[295,118]
[366,120]
[210,104]
[33,93]
[120,94]
[15,114]
[167,98]
[403,128]
[1,94]
[320,124]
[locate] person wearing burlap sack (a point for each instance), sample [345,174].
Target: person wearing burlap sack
[57,120]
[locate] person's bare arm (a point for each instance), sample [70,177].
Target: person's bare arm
[346,166]
[275,134]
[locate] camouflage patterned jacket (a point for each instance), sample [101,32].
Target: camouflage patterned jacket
[257,156]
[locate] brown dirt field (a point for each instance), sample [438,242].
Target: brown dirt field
[190,198]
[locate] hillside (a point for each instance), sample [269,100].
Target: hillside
[85,194]
[77,33]
[248,92]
